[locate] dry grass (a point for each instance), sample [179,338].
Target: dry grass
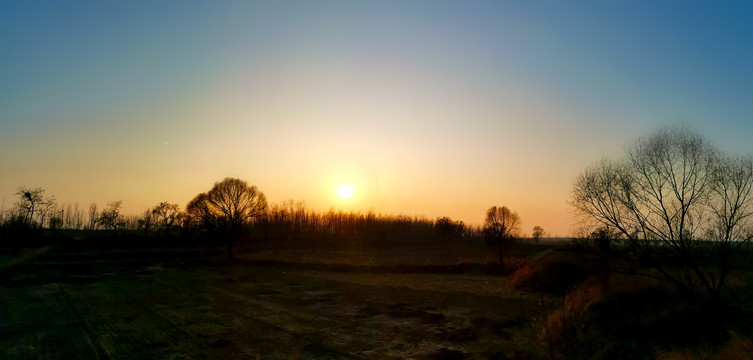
[521,276]
[737,348]
[562,330]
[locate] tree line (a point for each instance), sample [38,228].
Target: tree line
[233,209]
[35,210]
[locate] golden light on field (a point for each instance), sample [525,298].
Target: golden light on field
[345,191]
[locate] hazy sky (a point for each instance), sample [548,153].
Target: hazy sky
[433,108]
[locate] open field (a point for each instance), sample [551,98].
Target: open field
[172,303]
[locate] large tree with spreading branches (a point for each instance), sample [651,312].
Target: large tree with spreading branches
[683,206]
[225,208]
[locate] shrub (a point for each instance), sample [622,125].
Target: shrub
[521,276]
[563,331]
[554,276]
[16,231]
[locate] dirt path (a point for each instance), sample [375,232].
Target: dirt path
[78,307]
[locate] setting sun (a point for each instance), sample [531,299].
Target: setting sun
[345,191]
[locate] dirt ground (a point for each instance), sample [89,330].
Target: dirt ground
[170,304]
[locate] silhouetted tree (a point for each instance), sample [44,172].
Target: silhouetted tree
[683,206]
[110,218]
[93,216]
[501,226]
[46,209]
[226,207]
[73,216]
[28,202]
[167,215]
[131,222]
[56,219]
[200,215]
[34,206]
[537,234]
[147,221]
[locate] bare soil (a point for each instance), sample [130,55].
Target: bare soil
[66,303]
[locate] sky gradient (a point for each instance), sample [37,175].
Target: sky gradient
[427,108]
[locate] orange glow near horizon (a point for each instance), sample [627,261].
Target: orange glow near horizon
[424,110]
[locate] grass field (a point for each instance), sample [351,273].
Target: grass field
[172,303]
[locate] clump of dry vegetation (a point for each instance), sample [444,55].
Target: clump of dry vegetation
[552,271]
[600,313]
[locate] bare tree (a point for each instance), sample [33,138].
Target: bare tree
[55,221]
[537,233]
[147,221]
[200,214]
[72,216]
[45,209]
[29,200]
[67,216]
[167,214]
[226,207]
[77,216]
[683,206]
[93,216]
[34,206]
[501,225]
[110,218]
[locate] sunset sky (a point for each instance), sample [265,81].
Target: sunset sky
[427,108]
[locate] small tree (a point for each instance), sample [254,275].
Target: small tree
[147,221]
[110,218]
[167,215]
[537,234]
[199,213]
[56,219]
[501,226]
[34,206]
[93,216]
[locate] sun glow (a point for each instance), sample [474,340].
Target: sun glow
[345,191]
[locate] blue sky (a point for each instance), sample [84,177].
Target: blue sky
[428,108]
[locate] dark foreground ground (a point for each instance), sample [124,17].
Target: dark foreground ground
[66,303]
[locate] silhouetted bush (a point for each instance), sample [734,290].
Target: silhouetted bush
[521,276]
[16,231]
